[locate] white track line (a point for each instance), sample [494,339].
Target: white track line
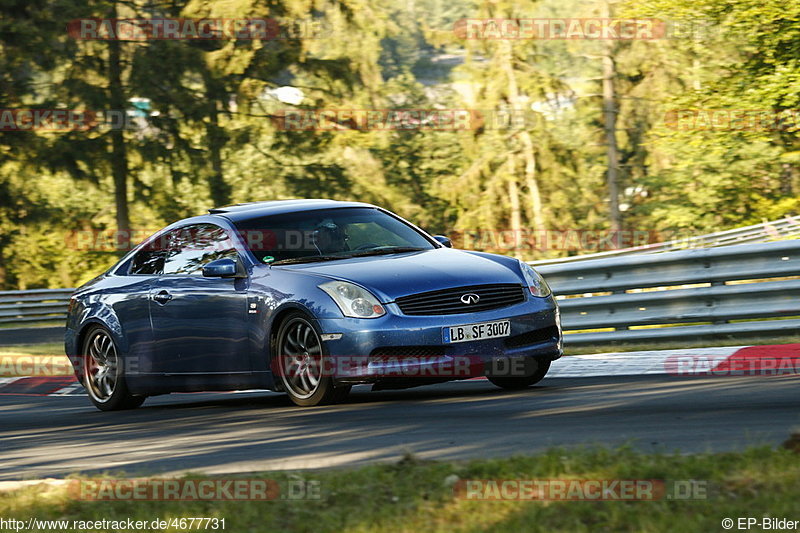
[75,388]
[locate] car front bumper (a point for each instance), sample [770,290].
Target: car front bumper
[401,347]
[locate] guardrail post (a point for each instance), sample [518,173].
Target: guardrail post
[718,283]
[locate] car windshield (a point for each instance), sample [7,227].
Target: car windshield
[329,234]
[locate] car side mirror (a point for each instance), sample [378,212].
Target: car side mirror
[224,268]
[444,241]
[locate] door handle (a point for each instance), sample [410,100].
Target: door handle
[162,297]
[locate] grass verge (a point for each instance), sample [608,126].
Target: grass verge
[53,348]
[34,359]
[416,496]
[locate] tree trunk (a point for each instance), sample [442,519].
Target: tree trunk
[219,190]
[531,181]
[528,150]
[119,155]
[610,121]
[516,210]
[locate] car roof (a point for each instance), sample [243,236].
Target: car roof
[250,210]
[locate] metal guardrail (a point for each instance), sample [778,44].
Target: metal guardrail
[39,305]
[725,291]
[783,229]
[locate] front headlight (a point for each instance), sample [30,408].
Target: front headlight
[353,300]
[536,283]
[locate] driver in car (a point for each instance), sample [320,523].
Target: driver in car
[329,238]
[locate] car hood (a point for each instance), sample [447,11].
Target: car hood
[393,276]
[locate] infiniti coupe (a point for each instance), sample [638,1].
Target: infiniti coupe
[308,297]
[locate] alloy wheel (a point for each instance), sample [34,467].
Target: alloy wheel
[300,358]
[100,368]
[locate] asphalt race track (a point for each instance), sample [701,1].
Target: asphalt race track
[51,436]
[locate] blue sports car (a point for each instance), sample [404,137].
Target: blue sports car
[308,297]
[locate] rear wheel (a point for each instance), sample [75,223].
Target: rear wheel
[103,373]
[521,382]
[301,364]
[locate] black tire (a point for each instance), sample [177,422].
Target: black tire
[100,359]
[523,382]
[300,356]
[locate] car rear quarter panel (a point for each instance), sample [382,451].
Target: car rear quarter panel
[120,305]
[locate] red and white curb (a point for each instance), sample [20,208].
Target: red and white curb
[40,386]
[653,362]
[767,360]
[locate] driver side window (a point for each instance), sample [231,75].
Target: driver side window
[147,263]
[191,247]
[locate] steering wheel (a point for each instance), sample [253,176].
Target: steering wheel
[366,246]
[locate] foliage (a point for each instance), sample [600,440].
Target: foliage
[414,495]
[207,129]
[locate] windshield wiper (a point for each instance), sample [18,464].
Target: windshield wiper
[309,259]
[383,250]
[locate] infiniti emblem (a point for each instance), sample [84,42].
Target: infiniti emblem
[470,298]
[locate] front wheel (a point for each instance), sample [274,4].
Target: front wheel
[301,365]
[522,382]
[104,375]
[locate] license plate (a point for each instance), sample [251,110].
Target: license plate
[476,332]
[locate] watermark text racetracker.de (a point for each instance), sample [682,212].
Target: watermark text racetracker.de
[616,29]
[405,119]
[65,120]
[191,29]
[407,366]
[555,239]
[55,365]
[35,365]
[728,120]
[719,365]
[561,489]
[125,524]
[215,489]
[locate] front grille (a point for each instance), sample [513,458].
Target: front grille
[397,352]
[448,301]
[532,337]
